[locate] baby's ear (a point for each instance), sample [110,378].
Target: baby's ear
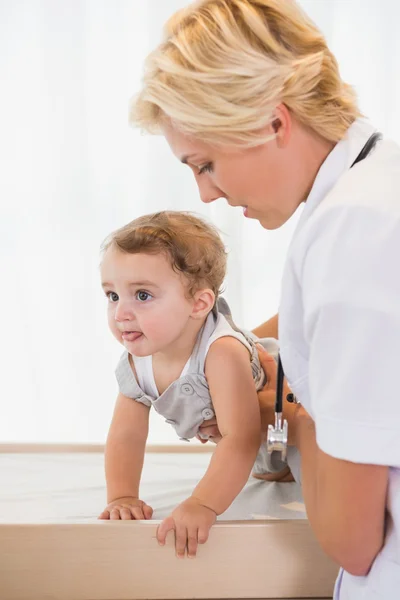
[203,302]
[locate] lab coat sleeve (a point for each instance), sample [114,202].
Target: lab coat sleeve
[350,281]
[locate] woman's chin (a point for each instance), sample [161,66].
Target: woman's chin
[271,223]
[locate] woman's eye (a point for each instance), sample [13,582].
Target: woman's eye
[112,296]
[143,296]
[206,168]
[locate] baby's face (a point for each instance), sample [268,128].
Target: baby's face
[147,307]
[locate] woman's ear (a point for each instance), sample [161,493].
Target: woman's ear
[282,125]
[204,301]
[276,124]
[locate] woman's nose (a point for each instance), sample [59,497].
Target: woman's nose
[209,192]
[208,198]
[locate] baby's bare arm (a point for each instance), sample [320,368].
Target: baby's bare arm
[125,447]
[234,397]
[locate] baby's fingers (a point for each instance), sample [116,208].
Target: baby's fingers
[181,538]
[126,514]
[203,534]
[148,511]
[162,530]
[105,514]
[192,542]
[115,513]
[135,513]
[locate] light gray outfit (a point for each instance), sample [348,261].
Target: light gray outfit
[187,403]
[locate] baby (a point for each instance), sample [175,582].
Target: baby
[184,356]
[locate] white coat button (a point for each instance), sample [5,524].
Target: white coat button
[207,413]
[187,389]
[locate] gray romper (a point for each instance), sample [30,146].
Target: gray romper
[187,403]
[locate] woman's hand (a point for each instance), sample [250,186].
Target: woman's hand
[127,509]
[191,521]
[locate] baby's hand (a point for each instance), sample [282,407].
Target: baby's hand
[127,509]
[191,522]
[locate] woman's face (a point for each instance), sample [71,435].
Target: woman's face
[269,181]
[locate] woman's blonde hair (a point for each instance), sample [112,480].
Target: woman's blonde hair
[193,247]
[226,64]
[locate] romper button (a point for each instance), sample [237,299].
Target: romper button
[187,389]
[207,413]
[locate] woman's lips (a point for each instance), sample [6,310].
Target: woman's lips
[131,336]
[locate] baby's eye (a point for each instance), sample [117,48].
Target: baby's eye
[112,296]
[143,296]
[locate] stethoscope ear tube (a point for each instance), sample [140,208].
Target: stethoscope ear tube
[279,386]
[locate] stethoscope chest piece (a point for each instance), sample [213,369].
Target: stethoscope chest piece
[277,435]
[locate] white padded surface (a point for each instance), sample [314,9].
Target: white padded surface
[43,488]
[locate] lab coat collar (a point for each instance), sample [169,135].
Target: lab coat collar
[336,163]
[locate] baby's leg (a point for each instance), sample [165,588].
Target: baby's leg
[282,476]
[270,467]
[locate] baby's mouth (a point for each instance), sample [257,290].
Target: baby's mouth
[131,336]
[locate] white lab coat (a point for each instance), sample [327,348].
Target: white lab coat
[339,326]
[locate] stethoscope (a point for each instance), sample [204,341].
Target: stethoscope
[277,435]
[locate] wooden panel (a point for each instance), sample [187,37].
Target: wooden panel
[183,448]
[122,561]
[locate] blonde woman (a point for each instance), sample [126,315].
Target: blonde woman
[249,97]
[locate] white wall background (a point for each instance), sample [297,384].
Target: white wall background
[71,170]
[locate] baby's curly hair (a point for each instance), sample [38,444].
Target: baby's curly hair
[193,246]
